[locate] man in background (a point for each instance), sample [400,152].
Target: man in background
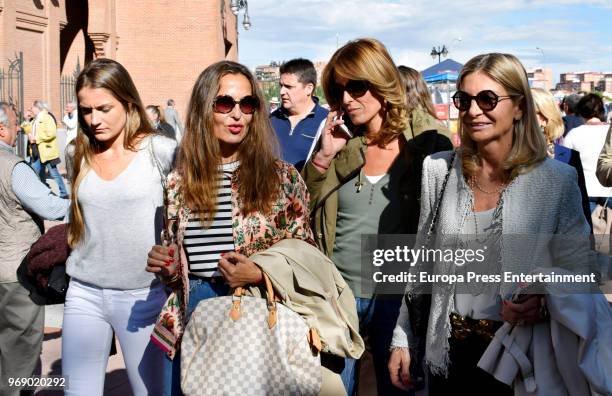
[173,119]
[70,121]
[298,121]
[571,120]
[274,102]
[24,200]
[44,135]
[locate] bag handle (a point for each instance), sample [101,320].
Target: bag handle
[160,170]
[434,219]
[436,213]
[235,312]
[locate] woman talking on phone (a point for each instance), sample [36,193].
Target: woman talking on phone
[366,184]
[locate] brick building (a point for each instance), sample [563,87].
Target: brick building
[605,85]
[164,44]
[582,81]
[269,72]
[268,77]
[540,78]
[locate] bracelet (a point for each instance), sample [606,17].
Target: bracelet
[314,161]
[393,348]
[170,282]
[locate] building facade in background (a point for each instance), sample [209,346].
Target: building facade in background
[164,44]
[268,78]
[585,82]
[540,78]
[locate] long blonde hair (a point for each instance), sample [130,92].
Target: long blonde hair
[112,76]
[546,106]
[368,60]
[199,155]
[528,143]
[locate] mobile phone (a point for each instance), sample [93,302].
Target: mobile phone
[343,127]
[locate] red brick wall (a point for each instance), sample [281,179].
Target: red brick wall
[167,48]
[164,44]
[32,44]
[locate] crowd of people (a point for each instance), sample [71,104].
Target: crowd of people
[161,218]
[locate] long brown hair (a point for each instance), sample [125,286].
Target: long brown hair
[417,93]
[528,142]
[367,59]
[199,156]
[112,76]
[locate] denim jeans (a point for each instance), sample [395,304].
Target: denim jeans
[91,314]
[377,317]
[199,290]
[40,169]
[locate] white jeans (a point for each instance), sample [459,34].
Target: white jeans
[90,316]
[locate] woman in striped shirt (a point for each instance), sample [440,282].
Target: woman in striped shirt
[229,198]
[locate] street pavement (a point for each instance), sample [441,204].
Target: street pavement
[116,382]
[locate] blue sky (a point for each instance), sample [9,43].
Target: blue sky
[573,35]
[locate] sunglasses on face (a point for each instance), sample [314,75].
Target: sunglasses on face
[355,88]
[225,104]
[486,100]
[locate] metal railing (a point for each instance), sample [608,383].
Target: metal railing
[11,91]
[67,86]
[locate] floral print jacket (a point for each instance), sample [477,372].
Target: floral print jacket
[288,218]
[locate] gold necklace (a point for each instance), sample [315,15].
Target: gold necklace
[474,183]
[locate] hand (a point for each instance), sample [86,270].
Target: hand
[31,138]
[163,260]
[239,270]
[526,312]
[332,138]
[399,368]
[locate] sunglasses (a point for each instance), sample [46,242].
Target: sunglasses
[486,100]
[355,88]
[225,104]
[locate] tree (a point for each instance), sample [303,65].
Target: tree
[320,94]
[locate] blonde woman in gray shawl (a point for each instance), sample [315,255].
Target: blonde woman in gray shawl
[498,183]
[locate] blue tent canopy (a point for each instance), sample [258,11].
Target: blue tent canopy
[442,77]
[443,71]
[447,66]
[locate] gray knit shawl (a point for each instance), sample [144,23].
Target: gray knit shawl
[540,203]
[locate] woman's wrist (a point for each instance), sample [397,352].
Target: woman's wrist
[171,281]
[260,278]
[321,161]
[396,347]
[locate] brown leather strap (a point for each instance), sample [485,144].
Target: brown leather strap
[272,318]
[314,340]
[271,298]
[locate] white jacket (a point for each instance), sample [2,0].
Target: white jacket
[571,354]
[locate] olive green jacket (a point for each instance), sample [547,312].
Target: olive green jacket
[424,135]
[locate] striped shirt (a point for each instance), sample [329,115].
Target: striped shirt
[205,245]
